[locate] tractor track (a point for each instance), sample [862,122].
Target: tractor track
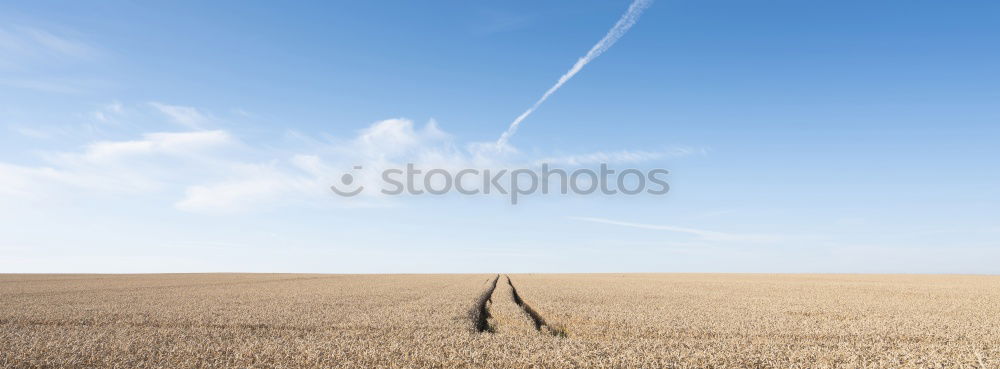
[540,324]
[480,312]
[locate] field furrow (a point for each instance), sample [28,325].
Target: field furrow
[480,312]
[536,319]
[507,316]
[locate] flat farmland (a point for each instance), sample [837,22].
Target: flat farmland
[491,320]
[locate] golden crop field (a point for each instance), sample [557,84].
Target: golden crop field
[537,320]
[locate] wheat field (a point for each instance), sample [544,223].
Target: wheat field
[490,320]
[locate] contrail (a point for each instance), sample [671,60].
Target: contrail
[627,20]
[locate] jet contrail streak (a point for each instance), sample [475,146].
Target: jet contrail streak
[627,20]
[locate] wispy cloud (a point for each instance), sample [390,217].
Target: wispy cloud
[20,44]
[254,186]
[109,112]
[213,171]
[622,156]
[32,58]
[55,85]
[38,133]
[703,234]
[184,115]
[176,143]
[243,113]
[130,166]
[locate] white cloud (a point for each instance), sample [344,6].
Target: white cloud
[183,115]
[109,112]
[175,143]
[391,143]
[211,171]
[703,234]
[105,165]
[243,113]
[50,182]
[620,157]
[299,177]
[19,181]
[393,137]
[259,185]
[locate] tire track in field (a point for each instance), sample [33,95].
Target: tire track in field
[480,312]
[540,324]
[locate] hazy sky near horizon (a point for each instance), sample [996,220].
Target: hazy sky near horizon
[186,136]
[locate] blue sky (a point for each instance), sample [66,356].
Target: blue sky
[833,136]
